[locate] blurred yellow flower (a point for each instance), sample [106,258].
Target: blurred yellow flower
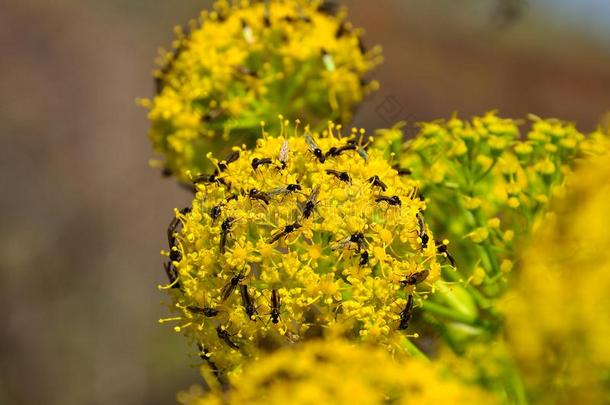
[337,372]
[558,311]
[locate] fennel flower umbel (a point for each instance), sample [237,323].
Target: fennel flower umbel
[304,235]
[487,186]
[246,61]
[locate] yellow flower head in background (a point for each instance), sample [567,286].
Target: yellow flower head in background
[305,235]
[558,311]
[487,185]
[245,62]
[336,372]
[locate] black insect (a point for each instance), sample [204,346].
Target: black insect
[186,210]
[394,200]
[361,46]
[228,289]
[232,157]
[364,258]
[266,19]
[423,235]
[287,189]
[217,210]
[172,274]
[288,229]
[256,162]
[255,194]
[172,230]
[245,71]
[205,356]
[160,80]
[341,31]
[175,255]
[441,248]
[313,148]
[376,182]
[310,205]
[224,335]
[207,312]
[284,152]
[357,238]
[275,307]
[343,176]
[225,228]
[208,178]
[328,7]
[405,314]
[306,19]
[246,301]
[334,151]
[402,171]
[175,223]
[357,141]
[415,278]
[211,115]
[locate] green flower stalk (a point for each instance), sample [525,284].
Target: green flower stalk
[337,372]
[305,235]
[245,62]
[558,310]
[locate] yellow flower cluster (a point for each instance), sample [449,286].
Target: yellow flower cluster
[243,63]
[336,372]
[558,312]
[304,235]
[486,185]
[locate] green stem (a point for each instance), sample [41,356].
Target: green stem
[412,350]
[489,169]
[449,313]
[515,389]
[481,300]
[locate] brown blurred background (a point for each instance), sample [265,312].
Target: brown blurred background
[83,216]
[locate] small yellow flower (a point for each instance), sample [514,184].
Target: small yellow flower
[506,266]
[479,235]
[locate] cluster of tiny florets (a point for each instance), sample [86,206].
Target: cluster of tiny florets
[336,372]
[304,234]
[243,62]
[487,185]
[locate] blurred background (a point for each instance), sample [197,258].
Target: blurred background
[84,217]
